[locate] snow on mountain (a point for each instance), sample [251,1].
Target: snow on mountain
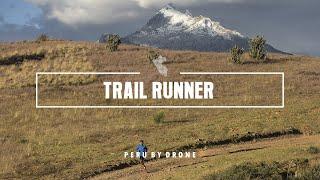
[179,21]
[171,28]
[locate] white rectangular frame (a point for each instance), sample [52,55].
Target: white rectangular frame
[161,107]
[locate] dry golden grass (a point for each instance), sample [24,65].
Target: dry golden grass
[66,143]
[218,159]
[59,57]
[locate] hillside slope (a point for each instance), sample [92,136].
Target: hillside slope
[71,143]
[213,160]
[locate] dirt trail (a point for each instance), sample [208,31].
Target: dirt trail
[163,165]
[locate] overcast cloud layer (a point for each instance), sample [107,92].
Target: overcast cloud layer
[289,25]
[78,12]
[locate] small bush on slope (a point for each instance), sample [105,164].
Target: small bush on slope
[298,169]
[257,48]
[113,42]
[236,53]
[159,117]
[152,55]
[42,38]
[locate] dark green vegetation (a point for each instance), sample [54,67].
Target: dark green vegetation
[113,42]
[159,117]
[152,55]
[42,38]
[236,53]
[313,150]
[18,59]
[257,48]
[298,169]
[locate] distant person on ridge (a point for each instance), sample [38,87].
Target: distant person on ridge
[142,149]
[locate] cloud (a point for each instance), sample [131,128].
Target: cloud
[79,12]
[2,19]
[157,3]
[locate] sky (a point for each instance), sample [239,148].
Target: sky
[289,25]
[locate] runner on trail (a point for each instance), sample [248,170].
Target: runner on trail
[142,149]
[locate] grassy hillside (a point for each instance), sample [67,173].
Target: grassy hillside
[281,155]
[68,143]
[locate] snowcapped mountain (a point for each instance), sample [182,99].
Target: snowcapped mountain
[185,22]
[171,28]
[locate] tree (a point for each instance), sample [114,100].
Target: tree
[236,53]
[113,42]
[257,48]
[42,37]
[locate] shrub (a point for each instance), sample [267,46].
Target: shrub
[294,169]
[249,171]
[257,48]
[23,141]
[18,59]
[113,42]
[236,53]
[159,117]
[313,150]
[42,38]
[152,55]
[311,174]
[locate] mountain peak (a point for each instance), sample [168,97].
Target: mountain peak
[174,28]
[171,9]
[169,6]
[184,21]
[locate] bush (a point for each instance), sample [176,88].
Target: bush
[236,53]
[294,169]
[113,42]
[159,117]
[313,150]
[311,174]
[152,55]
[257,48]
[42,38]
[249,171]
